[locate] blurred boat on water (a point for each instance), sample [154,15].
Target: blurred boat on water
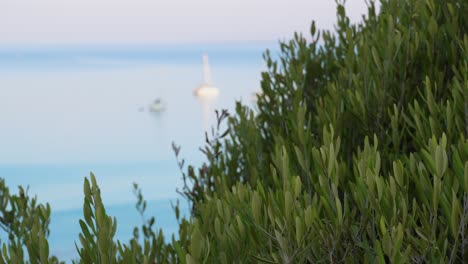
[206,89]
[157,106]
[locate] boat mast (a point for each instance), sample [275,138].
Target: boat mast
[206,69]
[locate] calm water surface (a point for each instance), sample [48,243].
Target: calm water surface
[64,113]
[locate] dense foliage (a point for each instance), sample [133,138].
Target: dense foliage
[357,152]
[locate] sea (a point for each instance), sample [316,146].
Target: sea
[68,111]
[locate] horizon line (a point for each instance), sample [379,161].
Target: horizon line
[195,45]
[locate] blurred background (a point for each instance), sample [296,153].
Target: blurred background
[107,85]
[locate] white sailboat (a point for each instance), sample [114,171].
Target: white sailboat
[206,89]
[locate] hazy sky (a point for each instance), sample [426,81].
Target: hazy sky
[63,22]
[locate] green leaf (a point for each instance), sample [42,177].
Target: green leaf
[299,230]
[466,177]
[288,203]
[256,206]
[380,256]
[339,211]
[383,229]
[308,216]
[455,215]
[297,186]
[300,158]
[376,58]
[196,241]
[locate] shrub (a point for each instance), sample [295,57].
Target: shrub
[26,224]
[372,124]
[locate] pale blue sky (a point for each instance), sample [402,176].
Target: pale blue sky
[129,22]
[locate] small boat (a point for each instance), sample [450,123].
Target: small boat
[206,89]
[157,106]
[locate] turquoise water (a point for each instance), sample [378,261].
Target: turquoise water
[66,112]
